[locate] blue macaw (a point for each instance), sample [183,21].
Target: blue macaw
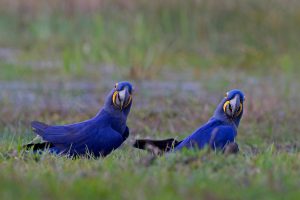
[97,136]
[218,132]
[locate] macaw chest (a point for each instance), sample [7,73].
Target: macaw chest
[222,137]
[118,124]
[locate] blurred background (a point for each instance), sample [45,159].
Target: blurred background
[142,38]
[59,58]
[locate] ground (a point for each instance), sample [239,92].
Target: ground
[58,69]
[267,166]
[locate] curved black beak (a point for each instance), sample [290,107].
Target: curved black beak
[235,104]
[124,98]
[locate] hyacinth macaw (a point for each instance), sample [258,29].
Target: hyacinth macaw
[217,133]
[97,136]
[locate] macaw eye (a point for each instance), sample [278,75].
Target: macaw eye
[116,85]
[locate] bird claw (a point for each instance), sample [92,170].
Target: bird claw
[231,148]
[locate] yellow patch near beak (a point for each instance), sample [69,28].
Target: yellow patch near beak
[238,112]
[130,99]
[225,105]
[114,98]
[240,109]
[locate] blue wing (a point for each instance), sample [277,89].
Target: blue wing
[61,134]
[214,134]
[221,136]
[78,139]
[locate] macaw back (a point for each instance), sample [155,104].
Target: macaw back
[97,136]
[214,133]
[217,133]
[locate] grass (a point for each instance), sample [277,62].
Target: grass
[58,62]
[266,168]
[122,175]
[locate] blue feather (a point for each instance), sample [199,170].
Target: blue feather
[97,136]
[215,133]
[219,131]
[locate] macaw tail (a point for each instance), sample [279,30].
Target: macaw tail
[38,143]
[161,145]
[38,146]
[39,127]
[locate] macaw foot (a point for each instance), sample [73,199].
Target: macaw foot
[231,148]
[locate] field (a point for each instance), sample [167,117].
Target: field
[59,59]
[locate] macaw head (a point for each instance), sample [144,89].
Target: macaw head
[120,98]
[231,107]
